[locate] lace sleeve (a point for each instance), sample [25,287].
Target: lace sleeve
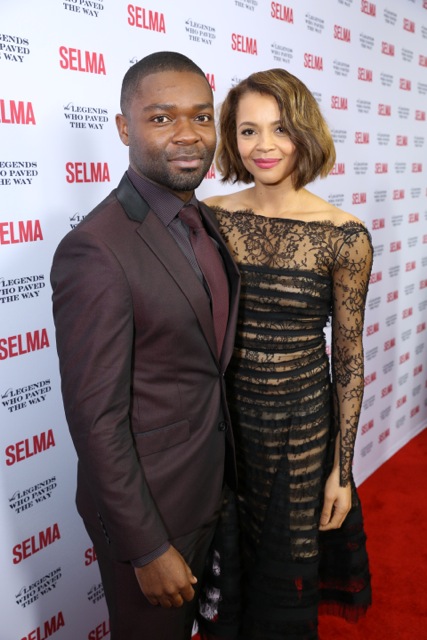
[351,274]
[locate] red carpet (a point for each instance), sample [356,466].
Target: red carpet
[395,513]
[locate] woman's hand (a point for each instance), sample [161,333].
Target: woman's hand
[337,503]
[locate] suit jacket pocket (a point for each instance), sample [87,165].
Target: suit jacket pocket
[162,438]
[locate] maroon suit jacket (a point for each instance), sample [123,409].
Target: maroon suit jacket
[142,386]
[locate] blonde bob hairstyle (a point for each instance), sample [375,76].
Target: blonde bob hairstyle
[300,117]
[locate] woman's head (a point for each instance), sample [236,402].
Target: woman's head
[300,117]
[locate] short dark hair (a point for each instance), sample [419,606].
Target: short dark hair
[300,117]
[154,63]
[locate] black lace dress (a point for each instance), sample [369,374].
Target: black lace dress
[271,572]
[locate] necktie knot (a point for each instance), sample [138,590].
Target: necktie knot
[190,215]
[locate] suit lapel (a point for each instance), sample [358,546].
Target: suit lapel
[166,250]
[159,240]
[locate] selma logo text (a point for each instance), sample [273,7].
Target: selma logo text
[376,277]
[90,556]
[87,172]
[405,84]
[381,167]
[20,231]
[361,137]
[378,223]
[342,33]
[358,198]
[36,543]
[29,447]
[23,343]
[338,102]
[244,44]
[83,61]
[384,109]
[338,169]
[313,62]
[409,25]
[47,629]
[101,631]
[281,12]
[16,112]
[146,19]
[210,77]
[369,8]
[372,328]
[367,427]
[387,48]
[365,75]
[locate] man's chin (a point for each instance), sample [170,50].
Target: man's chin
[187,180]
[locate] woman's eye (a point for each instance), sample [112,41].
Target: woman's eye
[247,132]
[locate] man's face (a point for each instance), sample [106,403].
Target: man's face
[170,130]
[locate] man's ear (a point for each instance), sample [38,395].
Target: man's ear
[122,128]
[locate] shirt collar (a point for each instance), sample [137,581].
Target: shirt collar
[165,204]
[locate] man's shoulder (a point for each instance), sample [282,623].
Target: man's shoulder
[104,223]
[112,209]
[98,216]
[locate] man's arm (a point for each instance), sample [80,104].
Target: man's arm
[94,325]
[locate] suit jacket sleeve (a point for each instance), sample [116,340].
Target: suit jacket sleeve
[94,328]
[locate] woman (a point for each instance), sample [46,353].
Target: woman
[302,261]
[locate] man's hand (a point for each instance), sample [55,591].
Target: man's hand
[167,580]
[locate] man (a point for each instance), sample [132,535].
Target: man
[141,361]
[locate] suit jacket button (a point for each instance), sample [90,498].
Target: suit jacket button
[222,426]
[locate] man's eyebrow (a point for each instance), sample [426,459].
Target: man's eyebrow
[159,106]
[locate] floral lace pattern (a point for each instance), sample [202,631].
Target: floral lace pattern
[298,263]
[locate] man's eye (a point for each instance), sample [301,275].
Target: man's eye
[161,119]
[204,118]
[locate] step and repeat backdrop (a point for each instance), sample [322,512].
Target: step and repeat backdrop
[61,66]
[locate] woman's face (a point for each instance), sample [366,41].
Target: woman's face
[264,146]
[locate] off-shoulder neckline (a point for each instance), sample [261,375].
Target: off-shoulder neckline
[347,223]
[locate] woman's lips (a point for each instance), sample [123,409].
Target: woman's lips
[266,163]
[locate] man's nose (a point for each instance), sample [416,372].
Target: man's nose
[185,132]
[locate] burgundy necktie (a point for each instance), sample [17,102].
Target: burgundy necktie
[210,263]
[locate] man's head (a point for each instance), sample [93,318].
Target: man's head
[167,121]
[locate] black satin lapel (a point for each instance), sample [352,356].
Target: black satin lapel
[162,244]
[132,202]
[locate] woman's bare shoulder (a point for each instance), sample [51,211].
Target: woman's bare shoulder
[321,208]
[236,201]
